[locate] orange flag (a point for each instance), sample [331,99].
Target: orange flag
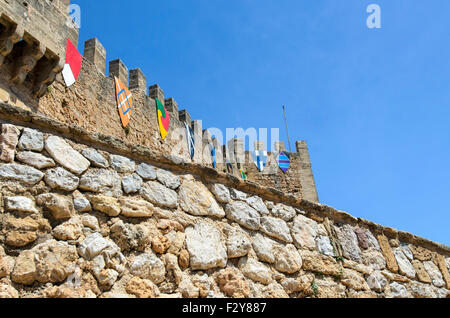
[124,102]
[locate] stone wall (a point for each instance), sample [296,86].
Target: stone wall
[89,215]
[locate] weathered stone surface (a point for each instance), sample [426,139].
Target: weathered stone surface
[435,274]
[374,258]
[287,259]
[20,204]
[440,261]
[61,179]
[131,183]
[21,224]
[82,205]
[61,207]
[363,269]
[136,208]
[7,291]
[24,270]
[177,240]
[108,205]
[315,262]
[167,226]
[195,199]
[404,265]
[205,256]
[221,192]
[8,142]
[395,277]
[65,155]
[264,248]
[258,204]
[184,259]
[302,284]
[96,158]
[422,291]
[377,281]
[420,253]
[238,195]
[149,266]
[349,242]
[422,274]
[146,172]
[407,251]
[103,254]
[20,173]
[102,181]
[304,232]
[159,195]
[4,264]
[20,239]
[131,237]
[398,290]
[160,244]
[362,238]
[51,261]
[107,277]
[354,280]
[168,179]
[284,212]
[232,284]
[324,245]
[90,221]
[122,164]
[243,214]
[274,290]
[276,228]
[69,231]
[31,140]
[35,160]
[142,288]
[238,244]
[188,289]
[327,288]
[255,270]
[172,268]
[373,242]
[391,262]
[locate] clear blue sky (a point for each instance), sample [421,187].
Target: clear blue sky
[373,105]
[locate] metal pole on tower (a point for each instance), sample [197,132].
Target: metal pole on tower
[287,130]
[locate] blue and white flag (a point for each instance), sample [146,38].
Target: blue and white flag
[190,140]
[213,156]
[229,167]
[260,159]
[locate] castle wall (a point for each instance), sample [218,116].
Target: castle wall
[126,220]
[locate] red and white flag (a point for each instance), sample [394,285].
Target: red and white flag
[72,67]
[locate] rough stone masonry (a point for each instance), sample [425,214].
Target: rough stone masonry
[123,226]
[89,210]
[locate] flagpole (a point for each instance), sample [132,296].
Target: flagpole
[287,131]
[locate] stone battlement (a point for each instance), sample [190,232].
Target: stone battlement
[128,214]
[31,52]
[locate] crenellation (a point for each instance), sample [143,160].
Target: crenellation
[118,69]
[155,91]
[95,53]
[138,80]
[260,146]
[73,180]
[279,146]
[172,107]
[185,117]
[306,174]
